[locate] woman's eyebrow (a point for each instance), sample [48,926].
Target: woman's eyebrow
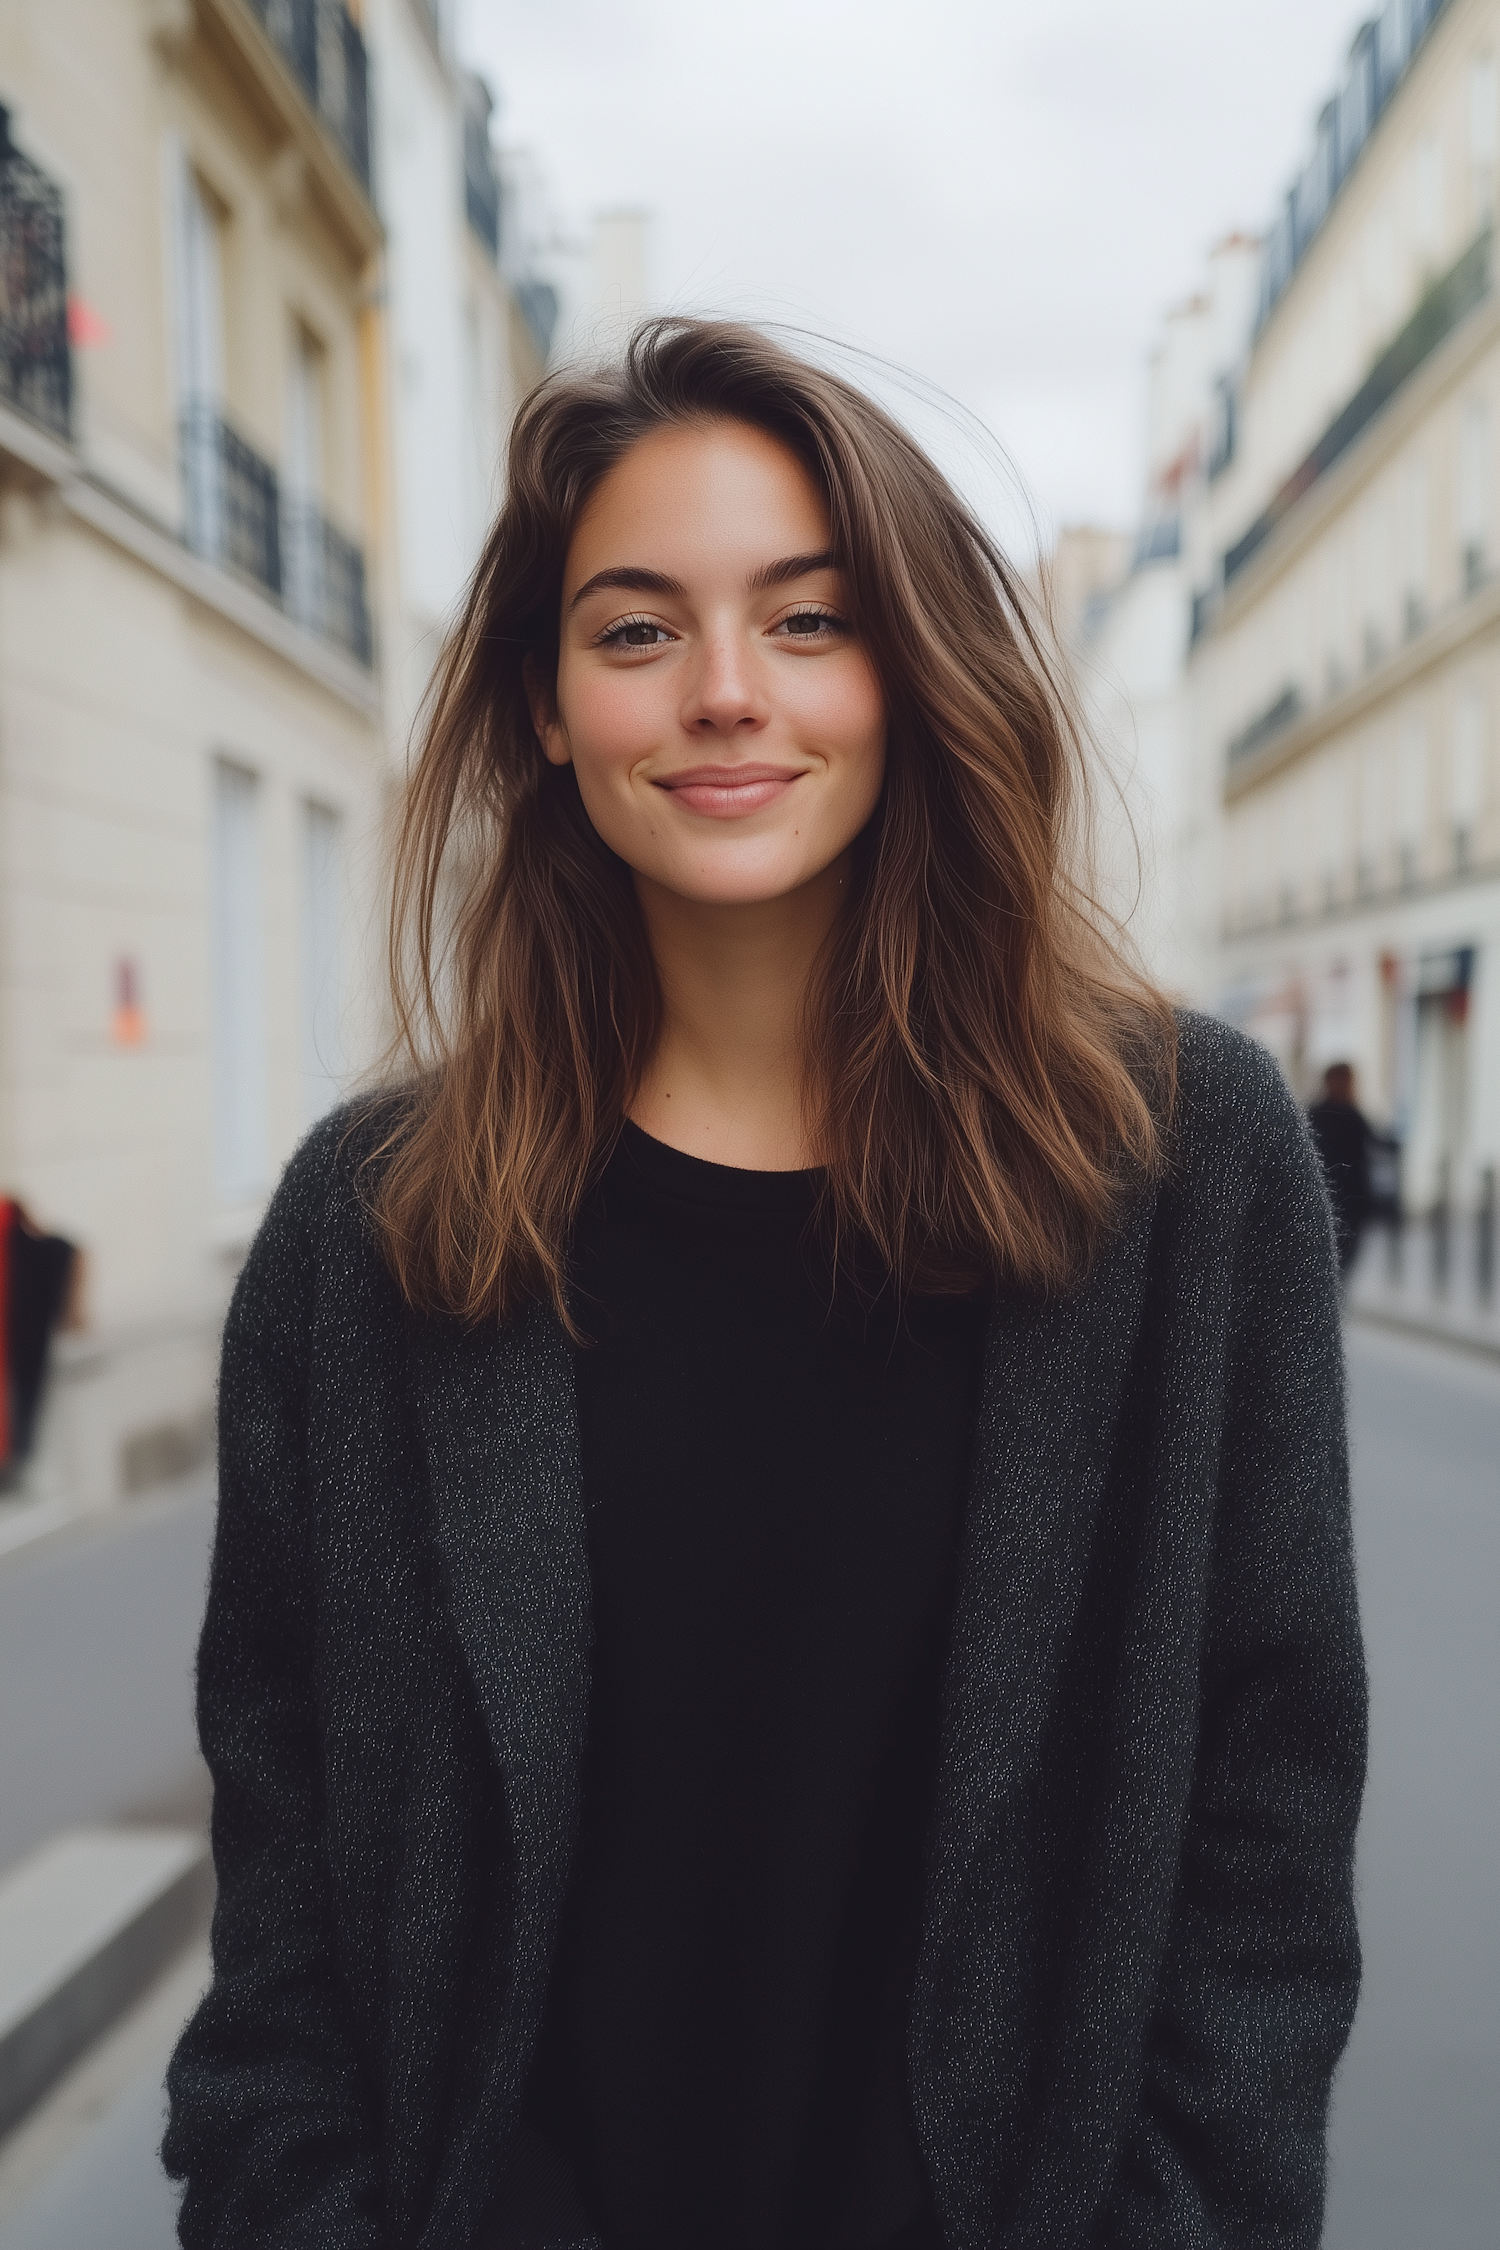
[790,567]
[631,578]
[626,578]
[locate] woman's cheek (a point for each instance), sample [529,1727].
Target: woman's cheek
[845,708]
[611,721]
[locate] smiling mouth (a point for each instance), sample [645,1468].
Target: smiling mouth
[728,792]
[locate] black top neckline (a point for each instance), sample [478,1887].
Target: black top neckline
[671,1172]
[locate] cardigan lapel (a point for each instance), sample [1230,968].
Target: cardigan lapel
[1053,1379]
[1049,1400]
[499,1416]
[498,1410]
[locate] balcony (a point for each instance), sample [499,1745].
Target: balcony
[1265,726]
[324,580]
[321,42]
[35,371]
[1384,50]
[1466,285]
[481,187]
[237,517]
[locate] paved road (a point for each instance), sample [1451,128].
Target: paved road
[1415,2153]
[97,1629]
[1415,2159]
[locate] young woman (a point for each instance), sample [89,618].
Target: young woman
[781,1669]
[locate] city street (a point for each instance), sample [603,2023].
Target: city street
[98,1624]
[1416,2162]
[1416,2154]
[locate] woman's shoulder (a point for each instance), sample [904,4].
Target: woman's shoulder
[1234,1110]
[323,1176]
[318,1216]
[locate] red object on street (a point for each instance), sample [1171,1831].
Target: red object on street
[86,328]
[7,1222]
[127,1025]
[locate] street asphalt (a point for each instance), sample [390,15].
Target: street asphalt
[1415,2154]
[98,1623]
[95,1638]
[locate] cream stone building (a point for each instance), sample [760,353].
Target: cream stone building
[1344,675]
[217,602]
[468,326]
[1157,800]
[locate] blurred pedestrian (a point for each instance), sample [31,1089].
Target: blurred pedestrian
[781,1663]
[1345,1142]
[41,1282]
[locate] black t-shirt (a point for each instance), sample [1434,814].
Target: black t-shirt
[773,1471]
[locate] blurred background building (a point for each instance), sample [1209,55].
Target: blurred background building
[1298,676]
[261,333]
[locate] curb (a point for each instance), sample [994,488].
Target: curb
[85,1925]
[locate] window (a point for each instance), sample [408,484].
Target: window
[323,1061]
[1372,814]
[1411,801]
[1484,137]
[1466,777]
[302,477]
[1427,201]
[239,985]
[1474,493]
[1337,612]
[200,354]
[1374,573]
[1328,825]
[1415,542]
[1380,273]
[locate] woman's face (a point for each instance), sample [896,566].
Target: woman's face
[724,723]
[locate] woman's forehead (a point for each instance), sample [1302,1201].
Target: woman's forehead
[716,498]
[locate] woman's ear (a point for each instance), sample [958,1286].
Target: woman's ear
[542,700]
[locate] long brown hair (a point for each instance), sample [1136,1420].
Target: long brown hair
[986,1072]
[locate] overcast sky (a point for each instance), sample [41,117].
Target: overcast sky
[1001,198]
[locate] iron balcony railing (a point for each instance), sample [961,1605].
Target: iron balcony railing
[233,505]
[36,374]
[323,45]
[1265,726]
[238,517]
[324,580]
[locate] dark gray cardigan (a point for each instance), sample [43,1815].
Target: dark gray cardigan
[1139,1957]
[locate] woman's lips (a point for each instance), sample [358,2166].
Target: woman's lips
[729,792]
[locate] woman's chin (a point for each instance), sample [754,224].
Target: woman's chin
[734,880]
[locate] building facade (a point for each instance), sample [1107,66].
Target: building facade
[1160,808]
[469,325]
[1344,672]
[257,357]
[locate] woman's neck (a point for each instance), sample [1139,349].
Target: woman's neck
[726,1082]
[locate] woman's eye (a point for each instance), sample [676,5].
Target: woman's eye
[635,632]
[809,625]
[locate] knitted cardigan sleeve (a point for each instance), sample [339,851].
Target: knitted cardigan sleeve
[1257,1989]
[270,2124]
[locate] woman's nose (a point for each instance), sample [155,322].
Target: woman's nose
[726,695]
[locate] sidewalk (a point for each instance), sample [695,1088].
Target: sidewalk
[99,1618]
[1421,1281]
[82,2173]
[98,1625]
